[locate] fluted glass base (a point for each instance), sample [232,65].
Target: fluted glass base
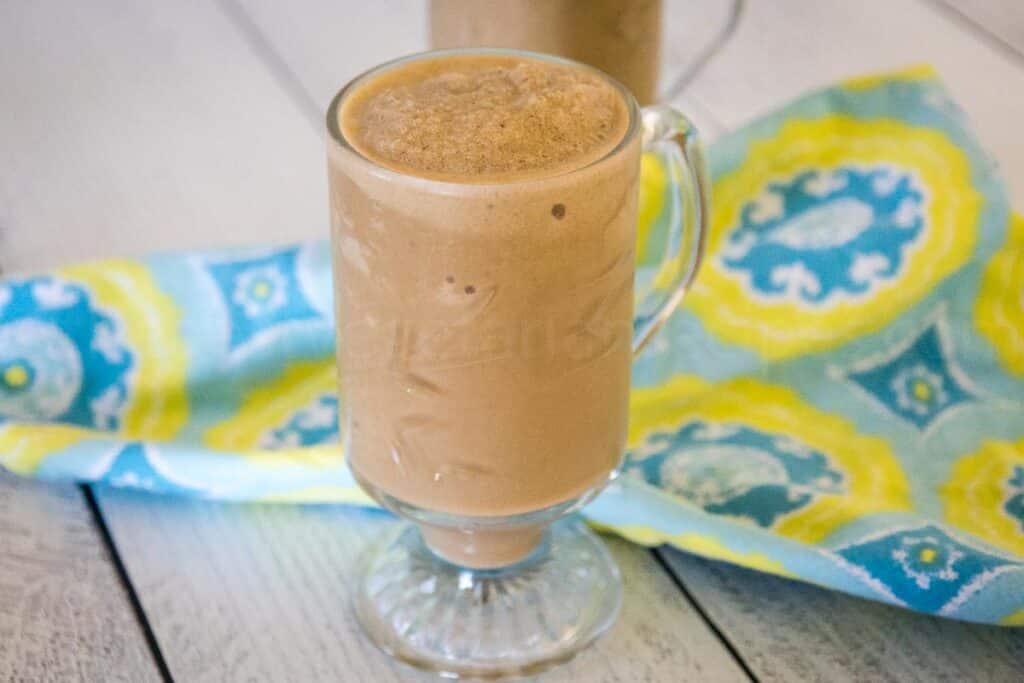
[486,623]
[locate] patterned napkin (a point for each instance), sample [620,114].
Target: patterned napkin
[841,400]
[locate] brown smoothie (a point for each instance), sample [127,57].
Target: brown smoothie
[483,238]
[620,37]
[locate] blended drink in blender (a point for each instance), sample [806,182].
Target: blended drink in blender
[484,236]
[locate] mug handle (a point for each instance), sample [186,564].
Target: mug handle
[672,135]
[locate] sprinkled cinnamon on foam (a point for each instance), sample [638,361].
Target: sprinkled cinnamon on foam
[484,117]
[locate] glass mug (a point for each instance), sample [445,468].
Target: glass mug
[485,337]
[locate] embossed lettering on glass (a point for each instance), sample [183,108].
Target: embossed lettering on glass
[484,222]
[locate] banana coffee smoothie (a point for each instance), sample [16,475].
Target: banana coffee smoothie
[620,37]
[483,245]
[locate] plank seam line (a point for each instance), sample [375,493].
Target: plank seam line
[979,30]
[126,583]
[279,69]
[678,581]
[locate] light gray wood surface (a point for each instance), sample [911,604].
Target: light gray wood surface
[1003,20]
[790,631]
[261,593]
[64,614]
[128,127]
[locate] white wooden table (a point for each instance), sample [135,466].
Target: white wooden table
[128,126]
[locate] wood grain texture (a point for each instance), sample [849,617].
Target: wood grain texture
[261,593]
[64,615]
[791,631]
[1002,20]
[128,127]
[785,48]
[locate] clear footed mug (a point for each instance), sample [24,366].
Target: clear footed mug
[485,336]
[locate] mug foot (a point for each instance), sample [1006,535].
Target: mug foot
[486,623]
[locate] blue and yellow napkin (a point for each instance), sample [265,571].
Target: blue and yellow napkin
[841,399]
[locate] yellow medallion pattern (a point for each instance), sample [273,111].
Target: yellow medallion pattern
[292,418]
[831,229]
[157,406]
[89,353]
[985,494]
[999,313]
[757,452]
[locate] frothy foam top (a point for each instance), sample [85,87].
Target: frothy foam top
[484,118]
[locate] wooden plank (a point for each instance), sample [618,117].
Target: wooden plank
[261,592]
[1001,20]
[791,631]
[64,614]
[128,127]
[785,48]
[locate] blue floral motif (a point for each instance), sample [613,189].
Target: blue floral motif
[261,294]
[735,470]
[313,425]
[132,467]
[925,568]
[260,291]
[918,383]
[827,234]
[1014,505]
[61,358]
[927,558]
